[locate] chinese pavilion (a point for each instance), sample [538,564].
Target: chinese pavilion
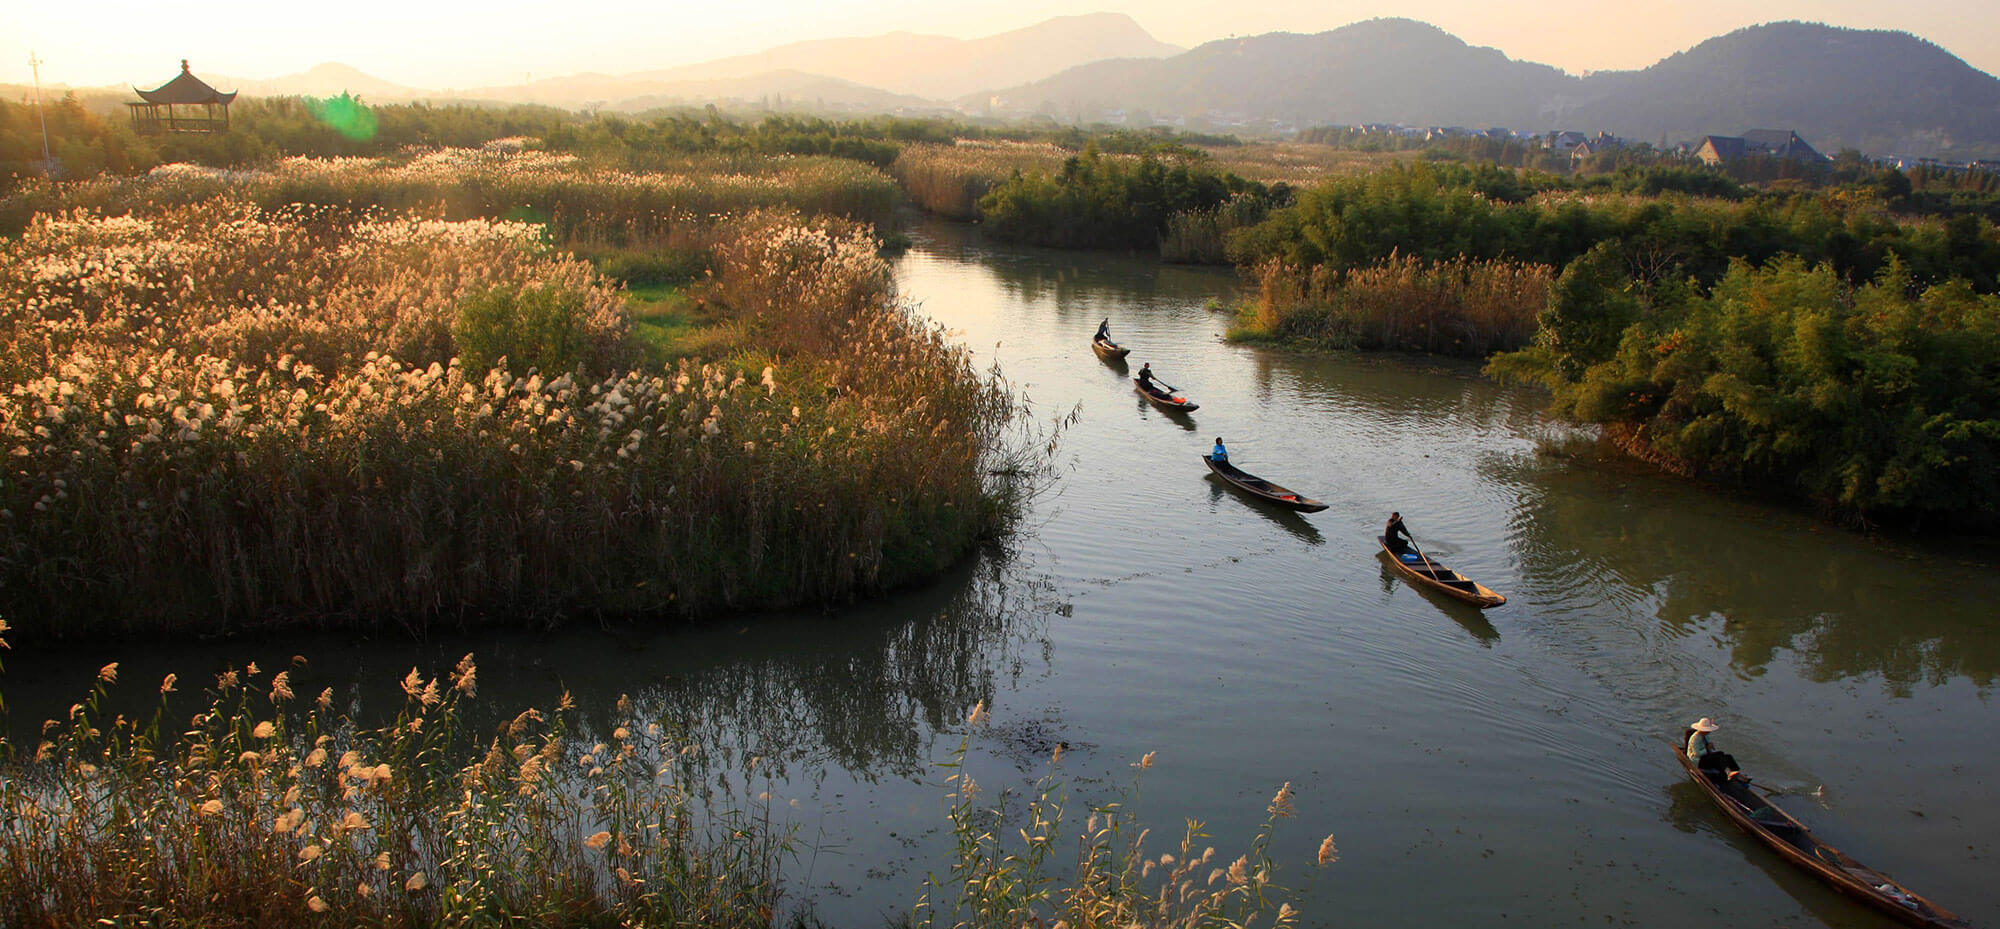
[184,104]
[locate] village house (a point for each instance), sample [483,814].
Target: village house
[1768,143]
[1602,142]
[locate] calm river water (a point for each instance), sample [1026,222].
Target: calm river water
[1504,768]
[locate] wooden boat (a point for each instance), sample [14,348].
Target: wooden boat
[1108,350]
[1428,572]
[1165,400]
[1260,488]
[1791,839]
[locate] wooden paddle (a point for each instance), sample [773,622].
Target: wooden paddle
[1428,563]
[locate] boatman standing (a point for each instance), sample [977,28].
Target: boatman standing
[1220,455]
[1397,535]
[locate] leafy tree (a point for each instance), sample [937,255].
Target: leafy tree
[1591,303]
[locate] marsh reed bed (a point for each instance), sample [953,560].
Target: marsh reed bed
[506,179]
[269,809]
[1099,873]
[272,808]
[1457,307]
[950,180]
[223,417]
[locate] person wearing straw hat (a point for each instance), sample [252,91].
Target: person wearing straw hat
[1720,766]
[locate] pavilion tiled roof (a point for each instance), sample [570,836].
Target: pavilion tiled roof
[185,88]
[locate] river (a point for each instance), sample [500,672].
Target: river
[1501,768]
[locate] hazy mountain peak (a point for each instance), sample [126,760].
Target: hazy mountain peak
[941,67]
[325,79]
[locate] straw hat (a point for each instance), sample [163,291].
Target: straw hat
[1704,724]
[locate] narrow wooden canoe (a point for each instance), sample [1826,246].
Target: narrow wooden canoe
[1108,350]
[1428,572]
[1792,840]
[1260,488]
[1164,400]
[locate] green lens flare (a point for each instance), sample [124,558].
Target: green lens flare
[345,114]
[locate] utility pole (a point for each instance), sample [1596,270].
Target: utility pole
[35,67]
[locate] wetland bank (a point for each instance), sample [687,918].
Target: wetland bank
[1512,758]
[1474,768]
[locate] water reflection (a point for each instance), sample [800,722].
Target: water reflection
[1691,811]
[1847,605]
[1079,283]
[1377,391]
[865,693]
[1180,418]
[1292,521]
[861,689]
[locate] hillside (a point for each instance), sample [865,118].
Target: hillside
[1882,92]
[1382,70]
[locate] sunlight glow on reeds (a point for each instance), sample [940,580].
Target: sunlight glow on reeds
[258,812]
[1457,307]
[224,416]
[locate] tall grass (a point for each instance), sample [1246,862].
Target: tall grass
[949,180]
[1202,236]
[267,810]
[1301,164]
[1099,876]
[498,181]
[1458,307]
[223,418]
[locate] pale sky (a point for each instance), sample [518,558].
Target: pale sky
[436,45]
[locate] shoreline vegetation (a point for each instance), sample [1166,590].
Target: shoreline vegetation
[1817,347]
[271,809]
[1449,251]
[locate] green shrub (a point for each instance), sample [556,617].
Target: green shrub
[533,326]
[643,267]
[1874,402]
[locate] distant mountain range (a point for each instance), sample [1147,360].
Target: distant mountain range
[1380,71]
[1882,92]
[942,68]
[325,80]
[897,71]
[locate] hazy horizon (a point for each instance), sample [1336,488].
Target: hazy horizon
[449,46]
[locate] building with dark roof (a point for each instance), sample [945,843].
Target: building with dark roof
[1768,143]
[184,104]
